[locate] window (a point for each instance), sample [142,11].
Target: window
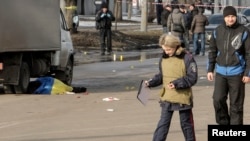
[63,21]
[246,12]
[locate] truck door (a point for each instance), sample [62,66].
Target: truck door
[66,42]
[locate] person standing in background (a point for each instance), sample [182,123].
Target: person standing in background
[104,17]
[198,30]
[176,17]
[187,17]
[159,9]
[164,17]
[194,11]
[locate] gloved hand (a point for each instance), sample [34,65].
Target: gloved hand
[109,15]
[103,15]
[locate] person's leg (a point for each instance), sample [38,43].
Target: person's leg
[102,41]
[195,42]
[165,29]
[236,97]
[186,39]
[181,37]
[202,37]
[198,44]
[220,100]
[163,126]
[187,124]
[109,41]
[158,13]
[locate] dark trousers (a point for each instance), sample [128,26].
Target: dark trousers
[159,10]
[186,120]
[106,40]
[235,88]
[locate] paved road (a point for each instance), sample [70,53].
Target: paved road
[85,117]
[124,74]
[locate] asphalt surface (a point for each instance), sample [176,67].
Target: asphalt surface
[89,118]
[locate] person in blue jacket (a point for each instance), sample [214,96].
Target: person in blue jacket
[177,74]
[229,57]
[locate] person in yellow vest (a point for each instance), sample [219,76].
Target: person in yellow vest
[178,73]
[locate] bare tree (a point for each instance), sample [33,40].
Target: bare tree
[182,1]
[144,16]
[190,1]
[118,10]
[82,7]
[137,4]
[151,12]
[129,9]
[70,9]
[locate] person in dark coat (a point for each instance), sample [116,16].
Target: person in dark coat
[194,11]
[104,18]
[164,17]
[159,9]
[187,17]
[229,59]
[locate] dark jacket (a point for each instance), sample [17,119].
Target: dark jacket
[188,19]
[229,50]
[164,17]
[194,12]
[198,24]
[181,83]
[104,19]
[176,17]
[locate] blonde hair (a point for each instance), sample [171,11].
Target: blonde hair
[169,40]
[172,42]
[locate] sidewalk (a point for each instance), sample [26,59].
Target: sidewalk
[92,54]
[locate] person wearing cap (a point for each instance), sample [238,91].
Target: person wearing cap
[229,67]
[164,17]
[104,18]
[177,74]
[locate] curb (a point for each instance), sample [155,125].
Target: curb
[92,55]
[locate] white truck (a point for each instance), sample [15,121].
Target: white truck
[34,42]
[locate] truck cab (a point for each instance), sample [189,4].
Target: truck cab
[34,42]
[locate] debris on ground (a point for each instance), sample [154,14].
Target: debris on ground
[110,110]
[110,99]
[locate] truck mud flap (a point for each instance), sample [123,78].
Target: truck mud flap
[11,69]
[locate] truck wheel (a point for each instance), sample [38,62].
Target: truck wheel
[24,79]
[67,75]
[8,89]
